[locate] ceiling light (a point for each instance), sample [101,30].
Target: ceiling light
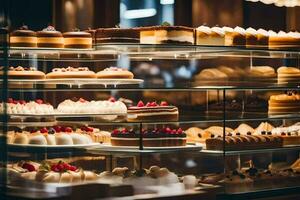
[139,13]
[166,2]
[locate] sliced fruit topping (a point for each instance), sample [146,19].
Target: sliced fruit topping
[112,99]
[164,103]
[29,167]
[44,130]
[140,104]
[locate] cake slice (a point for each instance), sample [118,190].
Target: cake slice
[174,35]
[235,38]
[214,36]
[251,38]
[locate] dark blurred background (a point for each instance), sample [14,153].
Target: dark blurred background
[70,14]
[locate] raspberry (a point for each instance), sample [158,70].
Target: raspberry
[116,131]
[15,102]
[44,130]
[10,100]
[140,104]
[22,102]
[57,129]
[173,131]
[29,167]
[168,130]
[163,103]
[112,99]
[68,130]
[153,104]
[179,131]
[39,101]
[72,168]
[89,129]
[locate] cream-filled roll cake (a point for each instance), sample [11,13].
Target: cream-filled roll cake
[288,75]
[235,38]
[78,39]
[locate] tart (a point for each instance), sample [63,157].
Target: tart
[49,37]
[114,73]
[152,111]
[71,72]
[78,39]
[22,73]
[23,37]
[111,35]
[164,137]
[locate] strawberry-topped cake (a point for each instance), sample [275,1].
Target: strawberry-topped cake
[115,73]
[152,111]
[163,137]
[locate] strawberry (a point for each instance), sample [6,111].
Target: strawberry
[29,167]
[68,130]
[22,102]
[153,104]
[163,103]
[15,102]
[10,100]
[168,130]
[116,131]
[57,129]
[39,101]
[124,130]
[173,131]
[179,131]
[44,130]
[140,104]
[54,168]
[82,100]
[112,99]
[72,168]
[89,129]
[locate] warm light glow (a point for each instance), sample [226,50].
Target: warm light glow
[279,3]
[139,13]
[166,2]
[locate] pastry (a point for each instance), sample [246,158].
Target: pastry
[151,138]
[115,73]
[197,135]
[95,134]
[49,37]
[262,38]
[261,74]
[264,128]
[284,103]
[152,111]
[283,40]
[22,73]
[290,134]
[218,130]
[211,74]
[244,129]
[174,35]
[111,35]
[23,37]
[288,75]
[251,38]
[71,72]
[214,36]
[235,38]
[78,39]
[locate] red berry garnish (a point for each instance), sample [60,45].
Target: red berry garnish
[57,129]
[39,101]
[68,130]
[148,104]
[82,100]
[173,131]
[179,131]
[168,130]
[89,129]
[33,131]
[112,99]
[116,131]
[124,130]
[72,168]
[55,168]
[140,104]
[44,130]
[153,104]
[22,102]
[15,102]
[29,167]
[10,100]
[163,103]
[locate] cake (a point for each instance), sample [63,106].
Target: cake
[114,73]
[290,134]
[71,72]
[150,138]
[261,74]
[251,38]
[147,35]
[49,37]
[174,34]
[82,106]
[78,39]
[284,103]
[117,35]
[20,72]
[211,74]
[152,111]
[197,135]
[214,36]
[96,135]
[264,128]
[235,38]
[218,131]
[23,38]
[93,34]
[283,40]
[288,75]
[262,38]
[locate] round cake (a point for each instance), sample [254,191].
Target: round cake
[150,138]
[78,39]
[152,111]
[71,72]
[115,73]
[284,103]
[288,75]
[23,38]
[22,73]
[49,37]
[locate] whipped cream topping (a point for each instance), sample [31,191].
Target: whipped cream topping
[92,107]
[204,29]
[251,31]
[114,69]
[70,69]
[49,28]
[31,107]
[218,30]
[239,30]
[294,34]
[272,33]
[227,29]
[263,32]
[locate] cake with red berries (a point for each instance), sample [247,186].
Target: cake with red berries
[70,72]
[20,72]
[152,111]
[115,73]
[164,137]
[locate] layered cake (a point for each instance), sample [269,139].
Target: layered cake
[244,142]
[251,37]
[78,39]
[283,40]
[152,111]
[262,38]
[290,134]
[261,74]
[174,34]
[214,36]
[288,75]
[115,73]
[49,37]
[93,34]
[4,37]
[147,35]
[284,103]
[111,35]
[71,72]
[22,73]
[23,37]
[235,38]
[150,138]
[82,106]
